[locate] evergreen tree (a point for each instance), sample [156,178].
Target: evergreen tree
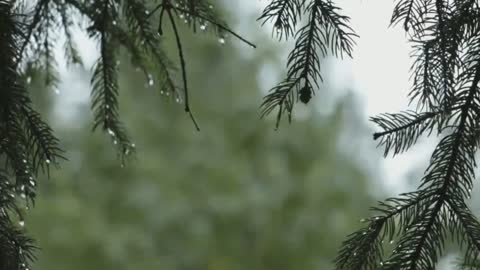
[446,41]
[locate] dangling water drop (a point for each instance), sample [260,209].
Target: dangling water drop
[57,92]
[47,161]
[111,132]
[29,80]
[21,223]
[203,27]
[32,183]
[114,22]
[221,40]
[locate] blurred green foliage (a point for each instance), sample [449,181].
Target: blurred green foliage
[237,195]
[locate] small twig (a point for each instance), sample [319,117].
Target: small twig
[203,18]
[183,65]
[428,115]
[150,14]
[225,28]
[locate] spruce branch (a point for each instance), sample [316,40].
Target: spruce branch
[325,31]
[285,15]
[105,83]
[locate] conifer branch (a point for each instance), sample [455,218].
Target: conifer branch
[183,66]
[285,15]
[326,30]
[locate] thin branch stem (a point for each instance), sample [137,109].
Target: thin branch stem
[183,66]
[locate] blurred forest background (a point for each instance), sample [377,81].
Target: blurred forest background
[237,195]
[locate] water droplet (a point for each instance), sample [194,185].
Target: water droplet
[133,145]
[110,132]
[221,40]
[210,6]
[22,187]
[354,254]
[399,207]
[32,183]
[147,12]
[23,195]
[21,223]
[57,92]
[115,142]
[363,220]
[391,242]
[47,161]
[203,27]
[377,218]
[150,82]
[29,80]
[114,22]
[118,62]
[181,16]
[178,100]
[24,161]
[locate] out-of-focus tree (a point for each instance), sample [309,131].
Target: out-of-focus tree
[237,195]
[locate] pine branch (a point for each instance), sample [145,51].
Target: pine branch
[285,15]
[105,82]
[326,30]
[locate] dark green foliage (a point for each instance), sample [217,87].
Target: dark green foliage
[325,32]
[446,74]
[26,144]
[29,32]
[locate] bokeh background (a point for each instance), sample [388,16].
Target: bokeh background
[238,194]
